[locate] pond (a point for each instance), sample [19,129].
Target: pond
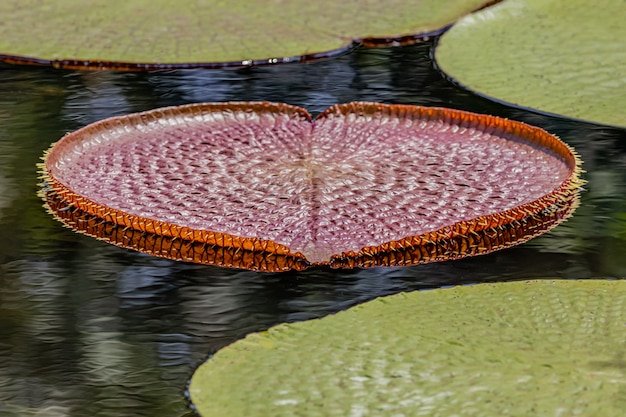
[87,328]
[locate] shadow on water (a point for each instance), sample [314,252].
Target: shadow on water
[91,329]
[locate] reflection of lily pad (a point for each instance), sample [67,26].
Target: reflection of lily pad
[539,348]
[560,56]
[364,184]
[143,34]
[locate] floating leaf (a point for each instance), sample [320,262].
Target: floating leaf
[136,35]
[564,57]
[263,186]
[534,348]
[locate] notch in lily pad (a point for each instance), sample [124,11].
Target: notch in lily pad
[264,186]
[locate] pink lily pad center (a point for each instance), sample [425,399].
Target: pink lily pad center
[359,175]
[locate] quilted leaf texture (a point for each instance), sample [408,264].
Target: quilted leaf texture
[363,184]
[541,348]
[563,57]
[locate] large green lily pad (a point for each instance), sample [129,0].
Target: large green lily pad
[566,57]
[533,348]
[140,34]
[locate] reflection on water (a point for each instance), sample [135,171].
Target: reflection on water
[91,329]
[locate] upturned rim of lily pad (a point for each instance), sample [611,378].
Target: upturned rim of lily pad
[467,237]
[122,66]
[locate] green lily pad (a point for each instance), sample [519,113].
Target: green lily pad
[138,34]
[540,348]
[564,57]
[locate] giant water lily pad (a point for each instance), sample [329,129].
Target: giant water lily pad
[264,186]
[538,348]
[565,57]
[134,35]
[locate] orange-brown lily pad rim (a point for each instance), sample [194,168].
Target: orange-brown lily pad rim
[476,236]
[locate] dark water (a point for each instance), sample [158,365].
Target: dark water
[91,329]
